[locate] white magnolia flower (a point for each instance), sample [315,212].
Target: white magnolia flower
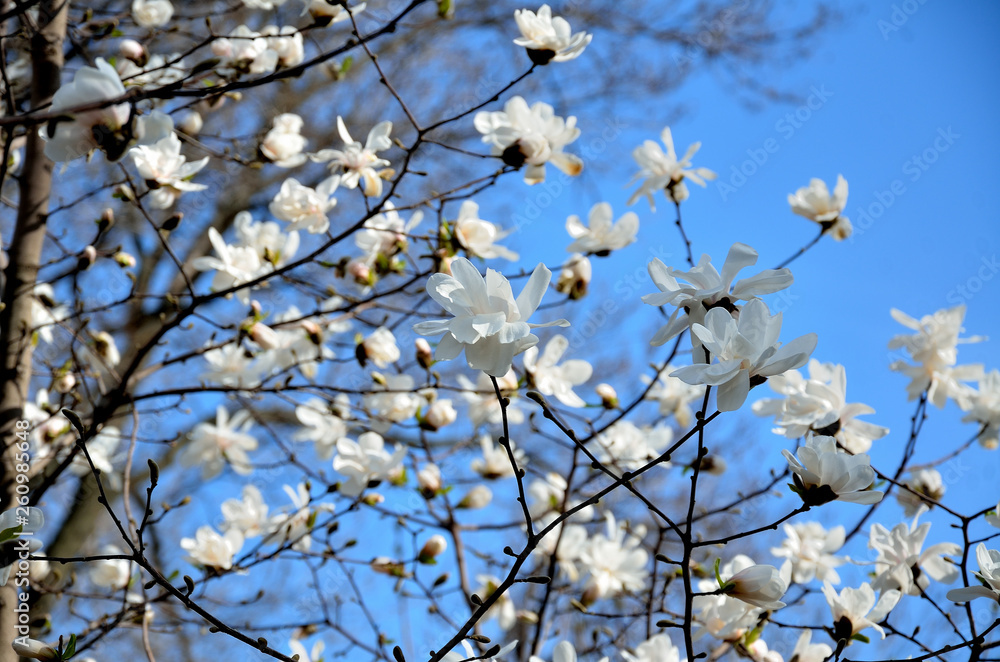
[925,482]
[657,648]
[575,277]
[36,650]
[674,395]
[247,515]
[809,548]
[744,352]
[229,365]
[295,524]
[322,426]
[483,404]
[662,171]
[297,648]
[993,517]
[934,347]
[495,463]
[503,609]
[284,143]
[429,480]
[45,312]
[166,170]
[806,651]
[102,448]
[989,575]
[547,496]
[533,136]
[818,405]
[274,246]
[385,234]
[548,38]
[440,413]
[103,128]
[305,208]
[823,474]
[245,51]
[479,237]
[628,447]
[815,203]
[152,13]
[328,13]
[10,520]
[287,43]
[558,380]
[571,540]
[489,324]
[263,4]
[211,549]
[902,565]
[391,400]
[757,585]
[111,573]
[601,236]
[985,409]
[158,71]
[358,162]
[723,617]
[232,265]
[212,446]
[855,609]
[615,561]
[365,462]
[380,347]
[705,288]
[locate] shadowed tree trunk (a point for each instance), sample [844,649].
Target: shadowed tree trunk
[25,252]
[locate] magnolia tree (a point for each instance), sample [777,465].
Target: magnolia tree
[268,390]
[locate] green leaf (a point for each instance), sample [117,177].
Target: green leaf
[70,648]
[862,638]
[11,533]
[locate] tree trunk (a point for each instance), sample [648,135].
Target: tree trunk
[24,253]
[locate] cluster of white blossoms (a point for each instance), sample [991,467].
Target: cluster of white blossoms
[532,136]
[819,405]
[934,352]
[247,51]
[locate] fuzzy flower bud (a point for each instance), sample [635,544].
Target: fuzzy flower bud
[65,383]
[134,51]
[425,356]
[478,497]
[432,548]
[609,397]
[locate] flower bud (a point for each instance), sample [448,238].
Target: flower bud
[65,383]
[478,497]
[171,223]
[191,123]
[574,279]
[35,649]
[387,566]
[425,356]
[87,258]
[315,335]
[432,548]
[106,221]
[125,260]
[712,464]
[429,481]
[609,397]
[134,51]
[438,415]
[264,336]
[360,272]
